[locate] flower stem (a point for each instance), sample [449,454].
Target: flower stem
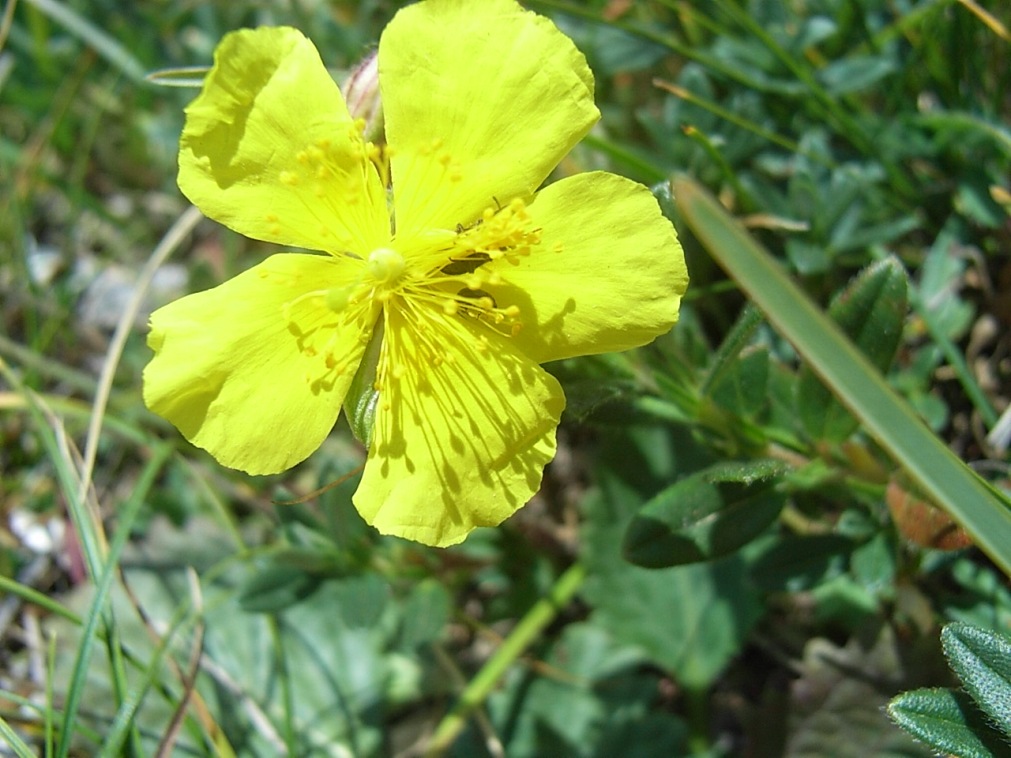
[523,634]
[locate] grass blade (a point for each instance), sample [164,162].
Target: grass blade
[11,739]
[92,36]
[103,584]
[31,595]
[844,369]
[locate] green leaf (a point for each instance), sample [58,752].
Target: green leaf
[426,612]
[871,311]
[948,721]
[981,510]
[838,695]
[982,660]
[705,516]
[276,586]
[689,620]
[795,564]
[851,75]
[742,388]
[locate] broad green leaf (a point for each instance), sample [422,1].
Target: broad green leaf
[850,75]
[948,721]
[982,660]
[838,695]
[585,396]
[843,601]
[871,311]
[941,277]
[795,564]
[705,516]
[981,510]
[745,472]
[873,563]
[689,620]
[275,587]
[974,201]
[742,389]
[978,595]
[426,613]
[598,701]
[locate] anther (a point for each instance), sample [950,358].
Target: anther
[337,299]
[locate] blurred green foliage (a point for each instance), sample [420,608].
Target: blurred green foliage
[760,579]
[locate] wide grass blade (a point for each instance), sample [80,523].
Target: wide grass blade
[858,385]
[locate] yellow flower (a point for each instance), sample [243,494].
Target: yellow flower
[443,277]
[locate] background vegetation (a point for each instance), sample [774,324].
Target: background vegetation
[724,560]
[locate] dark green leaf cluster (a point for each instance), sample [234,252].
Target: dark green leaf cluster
[974,722]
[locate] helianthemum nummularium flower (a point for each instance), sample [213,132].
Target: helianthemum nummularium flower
[443,277]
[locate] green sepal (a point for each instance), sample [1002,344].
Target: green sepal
[363,398]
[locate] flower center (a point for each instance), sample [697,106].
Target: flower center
[449,277]
[385,265]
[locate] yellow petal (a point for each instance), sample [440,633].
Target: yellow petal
[608,275]
[481,100]
[254,371]
[270,151]
[464,427]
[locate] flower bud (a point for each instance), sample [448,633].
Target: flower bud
[361,93]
